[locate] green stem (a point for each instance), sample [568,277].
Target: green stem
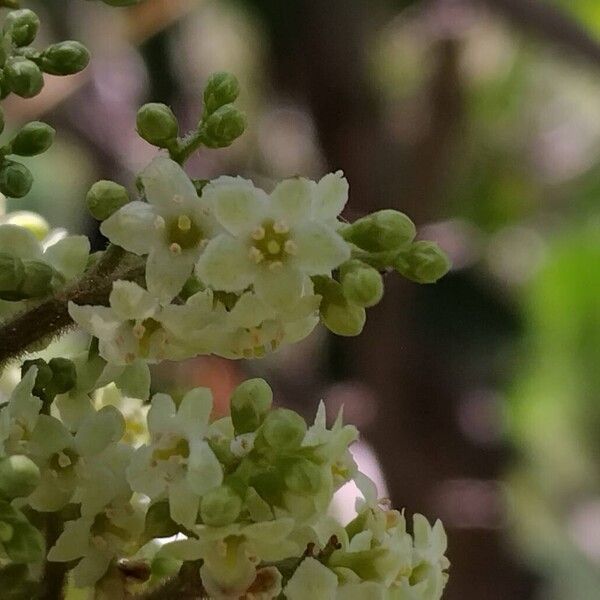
[184,148]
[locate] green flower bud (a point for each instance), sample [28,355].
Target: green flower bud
[22,25]
[381,231]
[425,262]
[38,279]
[303,477]
[250,403]
[23,77]
[19,476]
[64,375]
[222,127]
[283,429]
[220,506]
[12,272]
[157,124]
[361,284]
[34,138]
[25,544]
[221,88]
[43,376]
[15,179]
[105,198]
[343,319]
[65,58]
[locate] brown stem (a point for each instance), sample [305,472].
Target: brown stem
[186,586]
[53,581]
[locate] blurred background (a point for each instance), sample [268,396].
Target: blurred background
[478,397]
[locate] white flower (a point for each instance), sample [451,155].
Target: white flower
[178,461]
[128,328]
[311,581]
[172,228]
[272,242]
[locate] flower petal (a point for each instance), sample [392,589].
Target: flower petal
[330,198]
[166,272]
[99,430]
[312,580]
[49,436]
[161,412]
[194,411]
[133,227]
[183,503]
[100,321]
[167,186]
[291,200]
[280,288]
[204,469]
[69,256]
[320,248]
[19,241]
[131,301]
[225,265]
[91,567]
[237,204]
[72,542]
[142,477]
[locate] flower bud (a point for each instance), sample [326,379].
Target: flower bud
[23,77]
[12,272]
[22,25]
[250,403]
[157,124]
[64,375]
[221,88]
[22,542]
[19,476]
[42,377]
[15,179]
[30,221]
[383,230]
[65,58]
[343,319]
[222,127]
[34,138]
[37,280]
[105,198]
[220,506]
[425,262]
[283,429]
[361,284]
[303,476]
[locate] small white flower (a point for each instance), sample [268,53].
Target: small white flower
[272,242]
[172,228]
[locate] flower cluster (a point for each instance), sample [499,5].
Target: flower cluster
[247,495]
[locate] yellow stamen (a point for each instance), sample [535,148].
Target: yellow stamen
[184,223]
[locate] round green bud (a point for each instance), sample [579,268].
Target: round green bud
[220,506]
[361,284]
[34,138]
[222,127]
[43,376]
[64,375]
[105,198]
[221,88]
[23,77]
[383,230]
[65,58]
[425,262]
[15,179]
[157,124]
[37,281]
[303,476]
[19,476]
[30,221]
[345,319]
[283,429]
[12,272]
[250,403]
[22,25]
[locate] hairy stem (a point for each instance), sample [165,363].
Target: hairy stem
[36,326]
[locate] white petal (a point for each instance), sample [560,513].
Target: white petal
[167,186]
[250,311]
[194,411]
[161,412]
[131,301]
[237,204]
[292,199]
[100,321]
[91,567]
[133,227]
[183,503]
[166,272]
[310,581]
[98,430]
[19,242]
[204,469]
[23,404]
[330,198]
[225,265]
[142,477]
[49,436]
[320,249]
[69,256]
[73,541]
[281,288]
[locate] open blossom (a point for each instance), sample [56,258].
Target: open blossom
[128,328]
[172,228]
[178,462]
[273,242]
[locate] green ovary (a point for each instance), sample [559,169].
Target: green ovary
[184,232]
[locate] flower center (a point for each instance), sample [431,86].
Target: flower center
[103,525]
[271,243]
[143,332]
[177,448]
[183,233]
[63,461]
